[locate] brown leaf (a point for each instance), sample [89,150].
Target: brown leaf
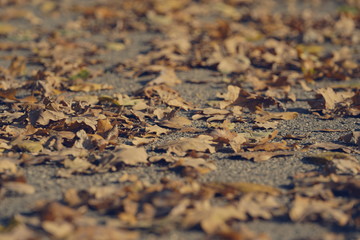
[157,130]
[233,64]
[77,122]
[167,95]
[236,188]
[58,229]
[306,208]
[333,147]
[89,87]
[19,188]
[137,141]
[103,125]
[271,146]
[19,232]
[212,219]
[267,116]
[255,102]
[229,97]
[353,137]
[180,147]
[102,232]
[130,156]
[237,142]
[55,211]
[176,122]
[262,156]
[339,163]
[29,146]
[6,29]
[167,76]
[326,98]
[266,125]
[43,117]
[200,165]
[7,166]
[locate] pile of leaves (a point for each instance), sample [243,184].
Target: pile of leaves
[58,109]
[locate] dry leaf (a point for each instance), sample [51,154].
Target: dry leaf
[89,87]
[353,137]
[19,188]
[198,164]
[333,147]
[267,116]
[176,122]
[201,143]
[43,117]
[130,156]
[236,188]
[58,229]
[7,166]
[271,146]
[262,156]
[339,163]
[167,76]
[312,209]
[29,146]
[157,130]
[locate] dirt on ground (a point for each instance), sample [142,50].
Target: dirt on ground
[208,119]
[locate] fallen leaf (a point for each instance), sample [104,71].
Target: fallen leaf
[19,188]
[271,146]
[311,209]
[176,122]
[333,147]
[157,130]
[339,163]
[262,156]
[6,29]
[89,87]
[7,166]
[29,146]
[264,116]
[200,165]
[236,188]
[130,156]
[180,147]
[43,117]
[353,137]
[58,229]
[167,76]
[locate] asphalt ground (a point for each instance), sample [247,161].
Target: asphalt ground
[277,172]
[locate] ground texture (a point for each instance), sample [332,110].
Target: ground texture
[208,119]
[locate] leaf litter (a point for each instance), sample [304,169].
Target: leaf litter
[61,115]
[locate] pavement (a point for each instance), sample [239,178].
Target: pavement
[278,172]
